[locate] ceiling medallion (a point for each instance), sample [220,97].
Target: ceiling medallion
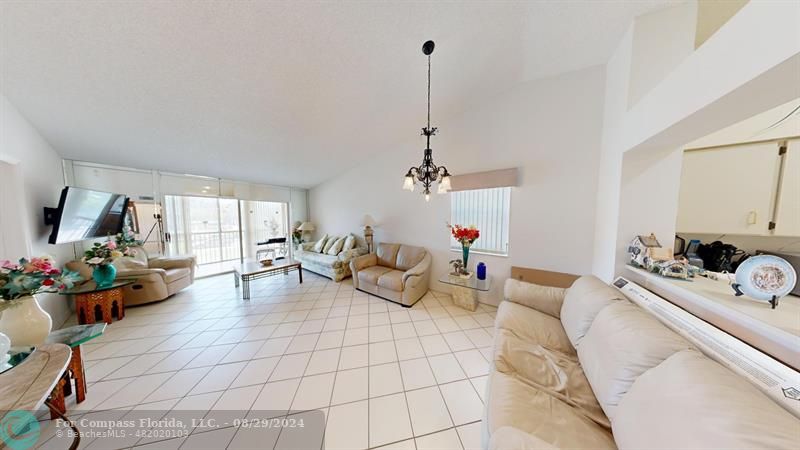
[428,172]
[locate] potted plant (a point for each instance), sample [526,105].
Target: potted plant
[101,256]
[466,236]
[23,320]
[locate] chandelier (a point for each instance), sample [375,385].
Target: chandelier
[428,172]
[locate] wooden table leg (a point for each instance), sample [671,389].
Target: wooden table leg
[78,374]
[57,399]
[300,272]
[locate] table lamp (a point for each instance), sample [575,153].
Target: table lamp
[369,222]
[306,227]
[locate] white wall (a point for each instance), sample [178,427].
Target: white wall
[662,39]
[548,128]
[40,183]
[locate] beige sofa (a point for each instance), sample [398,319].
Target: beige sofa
[585,368]
[156,278]
[335,267]
[397,272]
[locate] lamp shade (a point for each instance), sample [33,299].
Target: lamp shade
[369,221]
[306,226]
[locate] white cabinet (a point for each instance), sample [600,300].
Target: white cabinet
[787,216]
[735,190]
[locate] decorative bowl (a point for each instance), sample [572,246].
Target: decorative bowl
[266,262]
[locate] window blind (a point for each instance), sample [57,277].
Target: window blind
[486,209]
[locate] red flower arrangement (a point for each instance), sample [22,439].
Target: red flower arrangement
[465,235]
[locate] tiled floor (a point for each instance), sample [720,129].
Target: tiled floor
[383,375]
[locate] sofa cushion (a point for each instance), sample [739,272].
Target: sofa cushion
[547,299]
[582,301]
[509,437]
[510,402]
[623,343]
[329,244]
[408,256]
[372,274]
[320,245]
[557,373]
[176,274]
[690,401]
[533,326]
[349,243]
[125,263]
[387,254]
[392,280]
[335,247]
[318,258]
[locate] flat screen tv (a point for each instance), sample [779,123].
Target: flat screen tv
[84,214]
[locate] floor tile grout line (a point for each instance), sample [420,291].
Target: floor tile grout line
[330,303]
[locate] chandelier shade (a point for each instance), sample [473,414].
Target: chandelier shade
[428,173]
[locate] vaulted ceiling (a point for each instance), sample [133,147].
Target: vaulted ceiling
[286,93]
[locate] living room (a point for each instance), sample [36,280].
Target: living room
[292,247]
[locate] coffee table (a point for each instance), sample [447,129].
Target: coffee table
[465,290]
[252,270]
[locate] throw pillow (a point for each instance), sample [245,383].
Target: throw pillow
[329,243]
[336,247]
[320,245]
[349,243]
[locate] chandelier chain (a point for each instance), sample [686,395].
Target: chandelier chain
[429,92]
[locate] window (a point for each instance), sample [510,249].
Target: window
[488,210]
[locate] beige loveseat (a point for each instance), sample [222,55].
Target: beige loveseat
[397,272]
[156,278]
[585,368]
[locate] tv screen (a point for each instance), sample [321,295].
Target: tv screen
[84,214]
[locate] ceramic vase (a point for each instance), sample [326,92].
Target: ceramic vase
[104,275]
[26,323]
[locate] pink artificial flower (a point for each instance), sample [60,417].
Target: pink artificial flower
[111,245]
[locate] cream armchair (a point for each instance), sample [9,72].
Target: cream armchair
[156,278]
[399,273]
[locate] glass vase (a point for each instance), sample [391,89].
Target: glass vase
[465,256]
[104,275]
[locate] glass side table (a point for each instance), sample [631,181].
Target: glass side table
[465,290]
[72,337]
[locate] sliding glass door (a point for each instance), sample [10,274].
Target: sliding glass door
[219,231]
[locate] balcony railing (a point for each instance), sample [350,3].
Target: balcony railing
[212,246]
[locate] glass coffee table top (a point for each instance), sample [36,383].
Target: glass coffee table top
[470,283]
[252,267]
[77,335]
[91,286]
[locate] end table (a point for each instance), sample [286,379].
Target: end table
[72,337]
[93,303]
[465,290]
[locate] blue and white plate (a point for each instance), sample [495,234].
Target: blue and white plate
[764,276]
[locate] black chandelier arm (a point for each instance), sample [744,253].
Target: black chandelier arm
[443,172]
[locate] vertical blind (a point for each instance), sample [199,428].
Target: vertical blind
[486,209]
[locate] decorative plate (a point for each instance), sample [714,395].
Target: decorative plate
[764,276]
